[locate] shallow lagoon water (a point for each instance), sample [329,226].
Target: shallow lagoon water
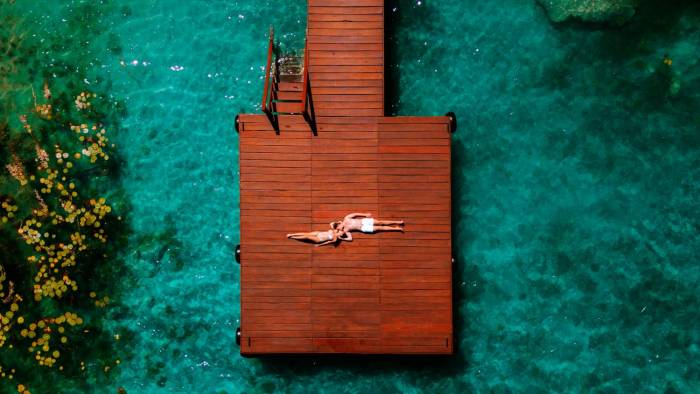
[576,171]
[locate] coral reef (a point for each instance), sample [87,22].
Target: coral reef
[612,11]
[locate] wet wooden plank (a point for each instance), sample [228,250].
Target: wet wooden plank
[276,345]
[319,7]
[315,24]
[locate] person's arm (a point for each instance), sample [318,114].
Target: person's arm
[346,237]
[366,215]
[326,243]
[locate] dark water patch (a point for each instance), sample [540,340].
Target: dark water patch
[160,250]
[421,368]
[400,17]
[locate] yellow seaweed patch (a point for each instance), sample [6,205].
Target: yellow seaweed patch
[61,225]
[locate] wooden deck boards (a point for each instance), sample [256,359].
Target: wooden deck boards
[381,293]
[346,57]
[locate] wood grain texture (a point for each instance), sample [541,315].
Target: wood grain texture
[346,57]
[380,293]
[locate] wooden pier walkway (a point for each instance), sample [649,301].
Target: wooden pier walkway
[381,293]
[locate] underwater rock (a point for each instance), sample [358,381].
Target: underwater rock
[613,11]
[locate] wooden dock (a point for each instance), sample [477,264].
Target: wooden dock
[388,293]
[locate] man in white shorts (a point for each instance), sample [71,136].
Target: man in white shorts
[365,223]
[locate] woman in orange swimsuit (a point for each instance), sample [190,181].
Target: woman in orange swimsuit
[319,237]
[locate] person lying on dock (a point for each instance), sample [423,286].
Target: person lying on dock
[318,237]
[365,223]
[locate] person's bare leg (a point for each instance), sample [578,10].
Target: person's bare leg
[387,228]
[297,235]
[388,222]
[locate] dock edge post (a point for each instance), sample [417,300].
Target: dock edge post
[238,336]
[238,254]
[237,123]
[453,121]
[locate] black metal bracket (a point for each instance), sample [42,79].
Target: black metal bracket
[453,121]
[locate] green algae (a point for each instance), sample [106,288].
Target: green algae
[56,166]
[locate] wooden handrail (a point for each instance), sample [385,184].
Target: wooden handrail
[305,90]
[268,68]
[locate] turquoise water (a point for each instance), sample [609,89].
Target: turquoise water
[576,171]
